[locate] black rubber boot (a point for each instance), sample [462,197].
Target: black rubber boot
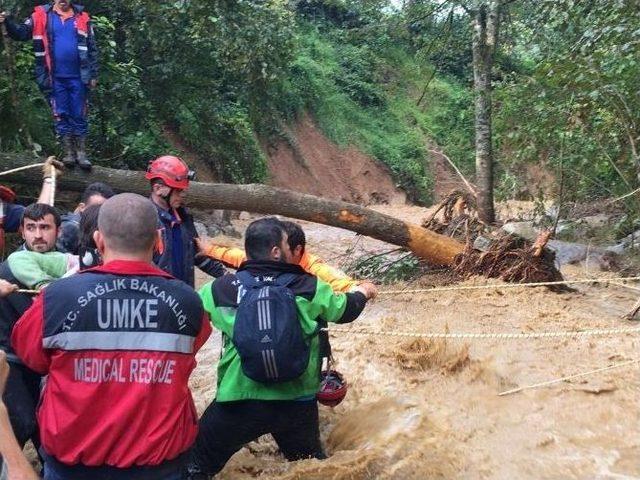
[81,153]
[69,158]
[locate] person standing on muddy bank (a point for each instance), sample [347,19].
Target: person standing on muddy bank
[118,343]
[66,67]
[176,252]
[259,390]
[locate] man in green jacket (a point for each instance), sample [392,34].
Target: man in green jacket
[245,409]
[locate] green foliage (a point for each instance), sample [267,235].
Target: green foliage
[360,75]
[212,66]
[226,75]
[576,108]
[386,268]
[127,131]
[447,117]
[354,107]
[440,37]
[209,70]
[336,12]
[34,112]
[222,74]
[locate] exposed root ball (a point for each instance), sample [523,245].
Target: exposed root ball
[511,259]
[421,354]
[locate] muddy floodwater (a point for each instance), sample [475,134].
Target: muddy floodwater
[418,408]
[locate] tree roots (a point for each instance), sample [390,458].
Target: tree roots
[507,257]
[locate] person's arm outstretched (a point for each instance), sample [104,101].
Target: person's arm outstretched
[229,256]
[342,307]
[50,168]
[337,279]
[17,31]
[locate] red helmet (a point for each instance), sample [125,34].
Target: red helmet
[7,195]
[171,170]
[333,388]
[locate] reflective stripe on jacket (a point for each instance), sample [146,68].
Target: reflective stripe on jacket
[38,28]
[118,343]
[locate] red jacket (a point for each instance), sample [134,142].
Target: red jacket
[118,343]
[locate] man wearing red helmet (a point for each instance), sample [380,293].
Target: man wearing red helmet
[177,253]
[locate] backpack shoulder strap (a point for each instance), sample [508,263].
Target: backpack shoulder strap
[286,279]
[246,279]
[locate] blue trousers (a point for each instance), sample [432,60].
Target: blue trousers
[69,105]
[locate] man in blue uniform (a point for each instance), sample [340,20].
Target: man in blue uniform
[176,252]
[66,65]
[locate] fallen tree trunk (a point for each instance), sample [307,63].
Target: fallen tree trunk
[436,249]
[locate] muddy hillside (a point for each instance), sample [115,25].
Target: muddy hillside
[311,163]
[420,408]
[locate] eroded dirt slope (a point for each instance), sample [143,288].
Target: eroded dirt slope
[310,163]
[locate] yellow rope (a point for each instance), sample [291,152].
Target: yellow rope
[570,377]
[623,196]
[52,198]
[26,167]
[488,336]
[508,285]
[625,286]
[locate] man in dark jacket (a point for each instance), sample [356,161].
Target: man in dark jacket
[39,225]
[177,252]
[95,194]
[66,66]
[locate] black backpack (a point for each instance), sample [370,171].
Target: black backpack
[267,333]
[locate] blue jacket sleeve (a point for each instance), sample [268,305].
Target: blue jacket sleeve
[209,266]
[21,32]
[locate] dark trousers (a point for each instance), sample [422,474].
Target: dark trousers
[226,427]
[21,398]
[69,105]
[170,470]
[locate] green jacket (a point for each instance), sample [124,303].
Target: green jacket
[314,299]
[35,269]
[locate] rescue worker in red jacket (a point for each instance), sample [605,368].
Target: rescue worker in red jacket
[118,343]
